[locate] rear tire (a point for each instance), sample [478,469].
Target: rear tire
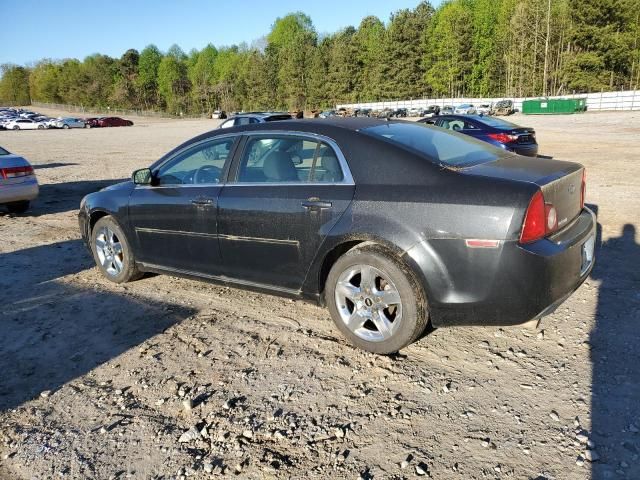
[112,252]
[18,207]
[16,127]
[40,127]
[375,300]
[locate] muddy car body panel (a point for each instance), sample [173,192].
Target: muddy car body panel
[456,222]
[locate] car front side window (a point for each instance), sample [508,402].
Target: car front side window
[202,164]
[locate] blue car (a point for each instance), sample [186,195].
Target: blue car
[497,132]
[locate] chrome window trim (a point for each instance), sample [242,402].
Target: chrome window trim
[347,178]
[346,172]
[184,150]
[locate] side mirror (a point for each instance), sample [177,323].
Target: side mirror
[142,177]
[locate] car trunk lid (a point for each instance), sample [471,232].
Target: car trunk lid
[560,182]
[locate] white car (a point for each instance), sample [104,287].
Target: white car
[465,109]
[18,182]
[484,109]
[24,124]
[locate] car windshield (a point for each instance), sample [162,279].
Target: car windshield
[3,151]
[440,146]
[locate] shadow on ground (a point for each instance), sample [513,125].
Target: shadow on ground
[52,165]
[615,358]
[52,331]
[64,197]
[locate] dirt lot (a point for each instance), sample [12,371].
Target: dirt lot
[94,377]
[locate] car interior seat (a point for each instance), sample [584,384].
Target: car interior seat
[330,165]
[279,167]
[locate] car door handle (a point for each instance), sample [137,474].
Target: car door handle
[315,203]
[202,201]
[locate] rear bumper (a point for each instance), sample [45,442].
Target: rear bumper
[507,285]
[528,150]
[17,192]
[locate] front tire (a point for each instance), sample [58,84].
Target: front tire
[375,300]
[16,127]
[112,253]
[65,126]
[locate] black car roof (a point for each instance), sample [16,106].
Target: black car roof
[357,147]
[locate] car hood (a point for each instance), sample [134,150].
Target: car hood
[126,185]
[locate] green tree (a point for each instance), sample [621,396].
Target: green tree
[370,44]
[292,40]
[14,85]
[404,52]
[447,60]
[201,73]
[43,82]
[147,80]
[173,81]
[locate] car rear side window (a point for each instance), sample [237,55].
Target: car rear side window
[3,151]
[441,146]
[288,159]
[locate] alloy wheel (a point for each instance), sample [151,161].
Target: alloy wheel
[109,250]
[368,302]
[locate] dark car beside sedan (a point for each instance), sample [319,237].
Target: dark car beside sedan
[497,132]
[391,224]
[102,122]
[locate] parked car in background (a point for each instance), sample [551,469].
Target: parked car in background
[24,124]
[499,133]
[327,114]
[363,112]
[68,122]
[431,111]
[503,107]
[255,117]
[18,182]
[219,114]
[399,112]
[91,122]
[113,122]
[385,113]
[446,110]
[465,109]
[484,109]
[445,229]
[415,112]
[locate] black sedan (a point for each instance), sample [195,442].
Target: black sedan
[497,132]
[390,224]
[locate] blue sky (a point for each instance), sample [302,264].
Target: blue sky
[74,29]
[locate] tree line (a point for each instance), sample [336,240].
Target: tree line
[462,48]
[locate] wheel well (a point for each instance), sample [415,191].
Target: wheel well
[95,216]
[339,250]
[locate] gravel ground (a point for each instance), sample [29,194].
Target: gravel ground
[171,378]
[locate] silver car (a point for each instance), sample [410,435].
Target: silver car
[68,122]
[18,182]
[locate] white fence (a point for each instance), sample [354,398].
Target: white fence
[622,100]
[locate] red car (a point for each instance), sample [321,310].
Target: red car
[108,122]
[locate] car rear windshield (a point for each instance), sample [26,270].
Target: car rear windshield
[440,146]
[3,151]
[271,118]
[497,122]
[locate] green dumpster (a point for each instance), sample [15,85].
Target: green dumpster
[554,106]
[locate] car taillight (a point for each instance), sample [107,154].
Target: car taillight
[503,137]
[540,220]
[13,172]
[583,188]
